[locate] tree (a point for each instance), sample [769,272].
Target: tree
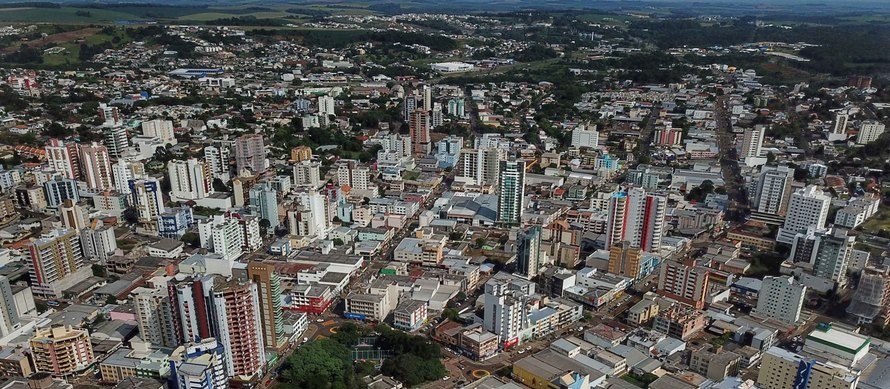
[131,215]
[770,157]
[324,363]
[111,300]
[192,239]
[338,242]
[480,242]
[264,226]
[219,185]
[412,370]
[451,314]
[99,270]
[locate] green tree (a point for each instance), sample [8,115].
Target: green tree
[338,242]
[264,226]
[324,363]
[219,185]
[192,239]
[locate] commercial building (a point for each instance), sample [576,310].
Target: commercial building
[807,208]
[782,369]
[374,305]
[139,361]
[314,299]
[780,298]
[61,351]
[511,192]
[506,309]
[428,251]
[409,315]
[477,343]
[836,344]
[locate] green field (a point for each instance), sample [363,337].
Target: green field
[71,55]
[61,15]
[880,221]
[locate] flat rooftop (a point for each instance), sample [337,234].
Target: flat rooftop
[847,341]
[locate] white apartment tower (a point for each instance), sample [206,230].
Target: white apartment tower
[326,105]
[869,131]
[123,172]
[307,173]
[511,192]
[752,142]
[808,208]
[222,235]
[189,179]
[161,129]
[780,298]
[585,136]
[771,190]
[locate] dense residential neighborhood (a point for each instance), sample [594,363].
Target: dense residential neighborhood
[438,200]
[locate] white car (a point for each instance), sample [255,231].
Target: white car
[319,320]
[446,378]
[522,351]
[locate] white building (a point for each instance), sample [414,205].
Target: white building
[506,309]
[161,129]
[123,172]
[511,192]
[783,369]
[636,217]
[780,298]
[147,198]
[222,235]
[307,173]
[752,144]
[771,190]
[326,105]
[96,166]
[857,211]
[807,208]
[869,132]
[189,179]
[451,67]
[63,158]
[217,157]
[585,136]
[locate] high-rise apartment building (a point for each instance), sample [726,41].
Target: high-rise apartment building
[222,234]
[808,208]
[237,318]
[110,114]
[833,250]
[300,154]
[155,316]
[264,203]
[752,142]
[480,166]
[72,215]
[511,193]
[506,309]
[250,153]
[771,190]
[58,190]
[198,364]
[61,351]
[63,158]
[326,105]
[869,131]
[189,179]
[268,284]
[307,173]
[636,217]
[528,252]
[98,241]
[146,197]
[56,262]
[123,172]
[217,158]
[116,139]
[781,299]
[624,260]
[456,107]
[161,129]
[9,315]
[419,125]
[684,282]
[409,105]
[871,300]
[839,127]
[96,166]
[586,136]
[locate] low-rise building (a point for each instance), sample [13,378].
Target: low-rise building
[409,315]
[680,322]
[783,369]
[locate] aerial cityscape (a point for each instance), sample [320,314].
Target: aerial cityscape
[322,194]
